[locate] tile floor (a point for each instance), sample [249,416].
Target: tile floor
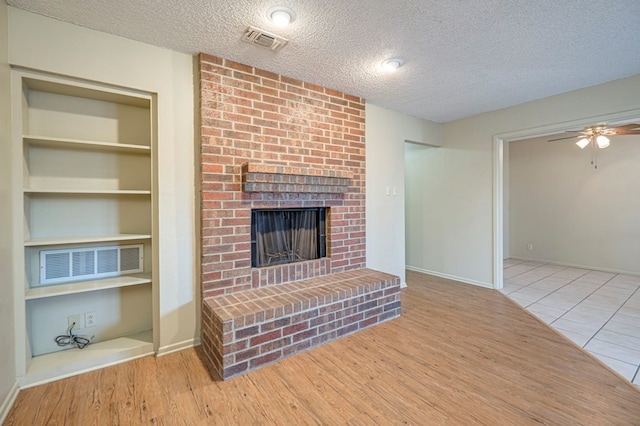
[600,311]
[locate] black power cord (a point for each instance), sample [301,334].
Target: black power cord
[73,339]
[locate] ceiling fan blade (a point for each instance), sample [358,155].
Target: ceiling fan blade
[625,129]
[619,132]
[626,126]
[626,132]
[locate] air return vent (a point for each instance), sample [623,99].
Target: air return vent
[263,39]
[88,263]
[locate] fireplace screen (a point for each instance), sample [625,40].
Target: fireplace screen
[287,235]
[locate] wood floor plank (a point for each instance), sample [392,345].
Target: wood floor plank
[54,405]
[148,390]
[326,407]
[459,355]
[24,408]
[379,382]
[284,408]
[367,408]
[85,406]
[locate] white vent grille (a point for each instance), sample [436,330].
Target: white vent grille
[264,39]
[86,263]
[107,261]
[57,266]
[83,263]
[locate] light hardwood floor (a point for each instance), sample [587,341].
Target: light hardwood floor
[458,355]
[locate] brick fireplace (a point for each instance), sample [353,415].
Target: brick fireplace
[274,125]
[273,142]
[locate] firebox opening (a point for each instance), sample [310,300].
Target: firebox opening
[281,236]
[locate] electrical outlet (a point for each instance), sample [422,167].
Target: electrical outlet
[90,319]
[74,319]
[529,247]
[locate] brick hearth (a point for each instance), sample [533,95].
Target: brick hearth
[247,330]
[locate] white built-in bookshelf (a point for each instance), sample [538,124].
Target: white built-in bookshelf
[87,191]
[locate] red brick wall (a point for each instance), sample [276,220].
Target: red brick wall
[253,116]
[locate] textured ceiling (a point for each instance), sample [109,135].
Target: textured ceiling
[463,57]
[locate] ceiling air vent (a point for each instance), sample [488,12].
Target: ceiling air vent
[264,39]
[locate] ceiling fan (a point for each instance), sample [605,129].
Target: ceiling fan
[597,136]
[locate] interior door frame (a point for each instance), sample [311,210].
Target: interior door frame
[498,176]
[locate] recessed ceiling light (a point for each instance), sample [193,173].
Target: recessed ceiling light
[281,16]
[390,65]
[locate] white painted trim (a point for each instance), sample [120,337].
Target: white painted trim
[21,348]
[175,347]
[28,382]
[498,173]
[422,143]
[450,277]
[498,212]
[8,402]
[577,265]
[41,379]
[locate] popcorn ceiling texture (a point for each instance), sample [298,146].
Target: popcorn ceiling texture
[462,57]
[259,121]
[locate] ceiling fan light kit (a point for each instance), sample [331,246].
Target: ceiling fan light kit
[602,141]
[582,143]
[598,135]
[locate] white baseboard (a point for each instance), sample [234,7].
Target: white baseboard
[175,347]
[6,405]
[450,277]
[575,265]
[62,364]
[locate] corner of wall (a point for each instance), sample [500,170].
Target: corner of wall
[197,182]
[8,384]
[386,133]
[7,403]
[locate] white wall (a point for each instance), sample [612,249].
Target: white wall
[417,167]
[45,44]
[459,238]
[8,384]
[386,132]
[571,212]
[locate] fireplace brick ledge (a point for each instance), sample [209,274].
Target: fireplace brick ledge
[246,330]
[258,177]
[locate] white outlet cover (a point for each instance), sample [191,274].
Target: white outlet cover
[90,319]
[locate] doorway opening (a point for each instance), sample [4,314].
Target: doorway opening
[502,249]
